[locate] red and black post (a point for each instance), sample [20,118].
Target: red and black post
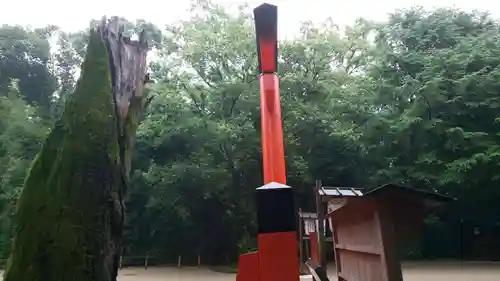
[277,241]
[277,256]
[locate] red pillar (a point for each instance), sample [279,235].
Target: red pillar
[277,255]
[247,267]
[277,241]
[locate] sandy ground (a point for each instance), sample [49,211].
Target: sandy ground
[437,271]
[442,271]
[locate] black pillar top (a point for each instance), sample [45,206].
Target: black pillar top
[275,208]
[266,29]
[266,22]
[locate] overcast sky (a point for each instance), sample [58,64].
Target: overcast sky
[75,15]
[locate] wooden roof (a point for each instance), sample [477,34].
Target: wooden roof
[308,215]
[430,199]
[428,194]
[339,191]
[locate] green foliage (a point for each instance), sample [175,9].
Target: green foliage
[24,55]
[21,132]
[413,100]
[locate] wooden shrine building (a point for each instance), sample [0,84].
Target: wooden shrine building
[313,236]
[367,229]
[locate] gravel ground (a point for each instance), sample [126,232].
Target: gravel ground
[422,271]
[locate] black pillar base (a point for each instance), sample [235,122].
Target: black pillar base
[275,208]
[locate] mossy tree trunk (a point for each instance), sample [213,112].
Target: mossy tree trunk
[70,213]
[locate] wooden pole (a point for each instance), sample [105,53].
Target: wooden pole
[146,262]
[199,260]
[121,262]
[313,245]
[307,252]
[301,241]
[320,212]
[179,261]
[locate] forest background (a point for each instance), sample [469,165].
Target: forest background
[412,100]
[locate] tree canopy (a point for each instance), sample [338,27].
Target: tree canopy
[412,100]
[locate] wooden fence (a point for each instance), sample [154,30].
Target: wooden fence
[147,260]
[143,261]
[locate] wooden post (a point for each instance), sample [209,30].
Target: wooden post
[313,245]
[199,260]
[321,227]
[121,262]
[146,262]
[387,236]
[179,261]
[301,242]
[318,272]
[335,241]
[307,252]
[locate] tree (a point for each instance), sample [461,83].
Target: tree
[24,55]
[66,64]
[434,126]
[70,213]
[410,100]
[21,134]
[200,142]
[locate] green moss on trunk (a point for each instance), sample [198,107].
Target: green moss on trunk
[70,213]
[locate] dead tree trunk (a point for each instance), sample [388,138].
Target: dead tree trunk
[70,214]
